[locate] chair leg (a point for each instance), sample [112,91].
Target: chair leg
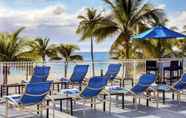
[84,102]
[54,109]
[117,99]
[41,110]
[94,103]
[139,101]
[179,97]
[110,103]
[157,100]
[135,102]
[6,112]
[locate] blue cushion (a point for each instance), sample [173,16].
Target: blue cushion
[94,87]
[79,73]
[40,74]
[35,93]
[113,70]
[181,84]
[144,82]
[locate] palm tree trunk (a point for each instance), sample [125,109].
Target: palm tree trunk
[92,56]
[128,64]
[43,58]
[5,74]
[66,67]
[127,47]
[159,45]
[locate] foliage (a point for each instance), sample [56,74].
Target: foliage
[14,48]
[88,24]
[65,52]
[42,48]
[128,17]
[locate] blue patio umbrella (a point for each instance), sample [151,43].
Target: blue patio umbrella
[158,32]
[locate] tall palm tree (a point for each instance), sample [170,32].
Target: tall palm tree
[128,17]
[66,53]
[42,48]
[88,24]
[13,48]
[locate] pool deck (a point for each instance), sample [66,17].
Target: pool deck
[171,109]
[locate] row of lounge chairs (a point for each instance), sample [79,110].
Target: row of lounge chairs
[38,87]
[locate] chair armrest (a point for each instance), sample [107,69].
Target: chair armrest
[12,101]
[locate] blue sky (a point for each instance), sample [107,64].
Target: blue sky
[57,19]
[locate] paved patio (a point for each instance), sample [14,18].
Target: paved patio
[171,109]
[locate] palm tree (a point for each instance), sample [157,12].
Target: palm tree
[88,24]
[128,17]
[66,53]
[42,48]
[119,52]
[181,45]
[13,48]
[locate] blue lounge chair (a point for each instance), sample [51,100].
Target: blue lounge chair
[112,71]
[94,87]
[35,94]
[90,92]
[40,74]
[138,90]
[77,76]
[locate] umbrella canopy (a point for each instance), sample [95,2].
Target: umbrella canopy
[158,32]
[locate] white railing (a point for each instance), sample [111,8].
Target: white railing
[19,71]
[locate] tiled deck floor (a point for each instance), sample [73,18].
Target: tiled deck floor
[169,110]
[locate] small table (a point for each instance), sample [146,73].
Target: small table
[120,92]
[60,98]
[162,88]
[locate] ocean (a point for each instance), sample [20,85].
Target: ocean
[100,59]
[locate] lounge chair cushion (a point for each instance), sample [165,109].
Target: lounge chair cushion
[181,84]
[79,73]
[144,82]
[112,71]
[35,93]
[94,87]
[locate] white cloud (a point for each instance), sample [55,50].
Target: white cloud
[178,19]
[53,22]
[28,2]
[52,15]
[161,6]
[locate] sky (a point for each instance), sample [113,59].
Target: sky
[57,19]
